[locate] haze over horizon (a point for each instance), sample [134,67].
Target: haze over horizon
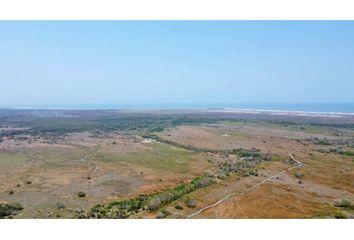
[176,63]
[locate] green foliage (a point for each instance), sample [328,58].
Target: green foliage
[298,174]
[58,122]
[81,194]
[158,156]
[123,209]
[344,203]
[333,150]
[324,142]
[156,129]
[276,157]
[7,158]
[191,203]
[340,215]
[253,153]
[348,153]
[246,153]
[7,209]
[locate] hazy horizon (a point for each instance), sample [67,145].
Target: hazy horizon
[292,107]
[176,63]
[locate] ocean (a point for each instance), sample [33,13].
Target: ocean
[303,107]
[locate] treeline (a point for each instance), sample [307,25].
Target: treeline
[254,153]
[325,141]
[155,201]
[104,122]
[126,208]
[56,122]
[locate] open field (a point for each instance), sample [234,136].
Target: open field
[176,164]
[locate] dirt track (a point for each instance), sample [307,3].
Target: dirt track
[246,190]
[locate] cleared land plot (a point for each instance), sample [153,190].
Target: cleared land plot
[40,175]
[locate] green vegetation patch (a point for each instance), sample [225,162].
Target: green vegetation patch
[279,158]
[125,208]
[344,203]
[246,153]
[155,201]
[14,158]
[7,209]
[340,214]
[324,142]
[348,153]
[58,155]
[159,157]
[253,153]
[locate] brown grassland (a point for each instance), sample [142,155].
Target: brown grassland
[45,172]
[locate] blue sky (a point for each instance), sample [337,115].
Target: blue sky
[166,63]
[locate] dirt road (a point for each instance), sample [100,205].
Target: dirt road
[246,190]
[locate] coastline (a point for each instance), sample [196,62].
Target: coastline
[332,114]
[281,112]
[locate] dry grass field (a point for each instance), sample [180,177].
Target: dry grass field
[162,166]
[324,178]
[40,175]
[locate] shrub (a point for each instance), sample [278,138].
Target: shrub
[348,153]
[178,207]
[166,212]
[191,203]
[323,142]
[340,215]
[60,205]
[246,153]
[333,150]
[81,194]
[7,209]
[160,215]
[345,203]
[153,204]
[299,175]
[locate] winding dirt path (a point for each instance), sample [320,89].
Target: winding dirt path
[92,170]
[246,190]
[84,159]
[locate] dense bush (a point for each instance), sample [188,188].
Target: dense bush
[340,215]
[191,203]
[123,209]
[246,153]
[81,194]
[7,209]
[299,174]
[348,153]
[344,203]
[323,142]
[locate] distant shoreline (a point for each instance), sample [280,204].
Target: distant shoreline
[215,110]
[282,112]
